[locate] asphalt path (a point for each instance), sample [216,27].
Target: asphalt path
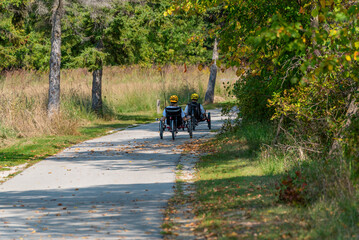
[112,187]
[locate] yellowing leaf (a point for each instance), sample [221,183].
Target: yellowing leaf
[356,44]
[239,72]
[348,58]
[301,10]
[356,53]
[233,234]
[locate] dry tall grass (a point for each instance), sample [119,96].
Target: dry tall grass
[23,95]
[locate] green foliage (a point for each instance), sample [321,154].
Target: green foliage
[89,58]
[132,33]
[252,94]
[20,45]
[143,35]
[297,62]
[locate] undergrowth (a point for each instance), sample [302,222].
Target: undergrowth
[250,188]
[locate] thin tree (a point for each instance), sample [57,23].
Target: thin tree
[100,18]
[97,83]
[55,59]
[209,97]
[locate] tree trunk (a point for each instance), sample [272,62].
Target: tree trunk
[55,60]
[209,97]
[97,91]
[97,85]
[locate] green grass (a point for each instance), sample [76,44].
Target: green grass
[32,150]
[237,197]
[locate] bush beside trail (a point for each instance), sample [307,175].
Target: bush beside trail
[247,189]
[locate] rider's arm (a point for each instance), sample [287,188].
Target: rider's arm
[164,112]
[182,114]
[202,109]
[186,110]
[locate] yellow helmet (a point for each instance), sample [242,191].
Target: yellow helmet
[174,99]
[194,96]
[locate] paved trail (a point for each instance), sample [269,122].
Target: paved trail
[113,187]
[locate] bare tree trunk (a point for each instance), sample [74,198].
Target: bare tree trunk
[97,91]
[209,97]
[55,60]
[97,85]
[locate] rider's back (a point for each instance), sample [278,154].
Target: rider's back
[194,109]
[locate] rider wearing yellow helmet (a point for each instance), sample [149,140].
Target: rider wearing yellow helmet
[173,104]
[173,99]
[195,107]
[194,96]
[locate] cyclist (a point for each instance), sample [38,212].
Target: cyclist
[173,104]
[199,112]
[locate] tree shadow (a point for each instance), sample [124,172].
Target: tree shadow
[97,212]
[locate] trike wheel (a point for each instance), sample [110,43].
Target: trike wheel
[189,126]
[161,129]
[173,130]
[209,120]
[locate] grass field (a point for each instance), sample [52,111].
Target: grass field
[129,94]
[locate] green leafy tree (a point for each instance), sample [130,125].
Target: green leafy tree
[302,57]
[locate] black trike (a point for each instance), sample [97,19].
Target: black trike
[174,122]
[196,116]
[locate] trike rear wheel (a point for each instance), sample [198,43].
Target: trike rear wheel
[190,129]
[161,129]
[209,120]
[173,129]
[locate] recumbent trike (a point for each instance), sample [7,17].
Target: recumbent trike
[174,122]
[194,112]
